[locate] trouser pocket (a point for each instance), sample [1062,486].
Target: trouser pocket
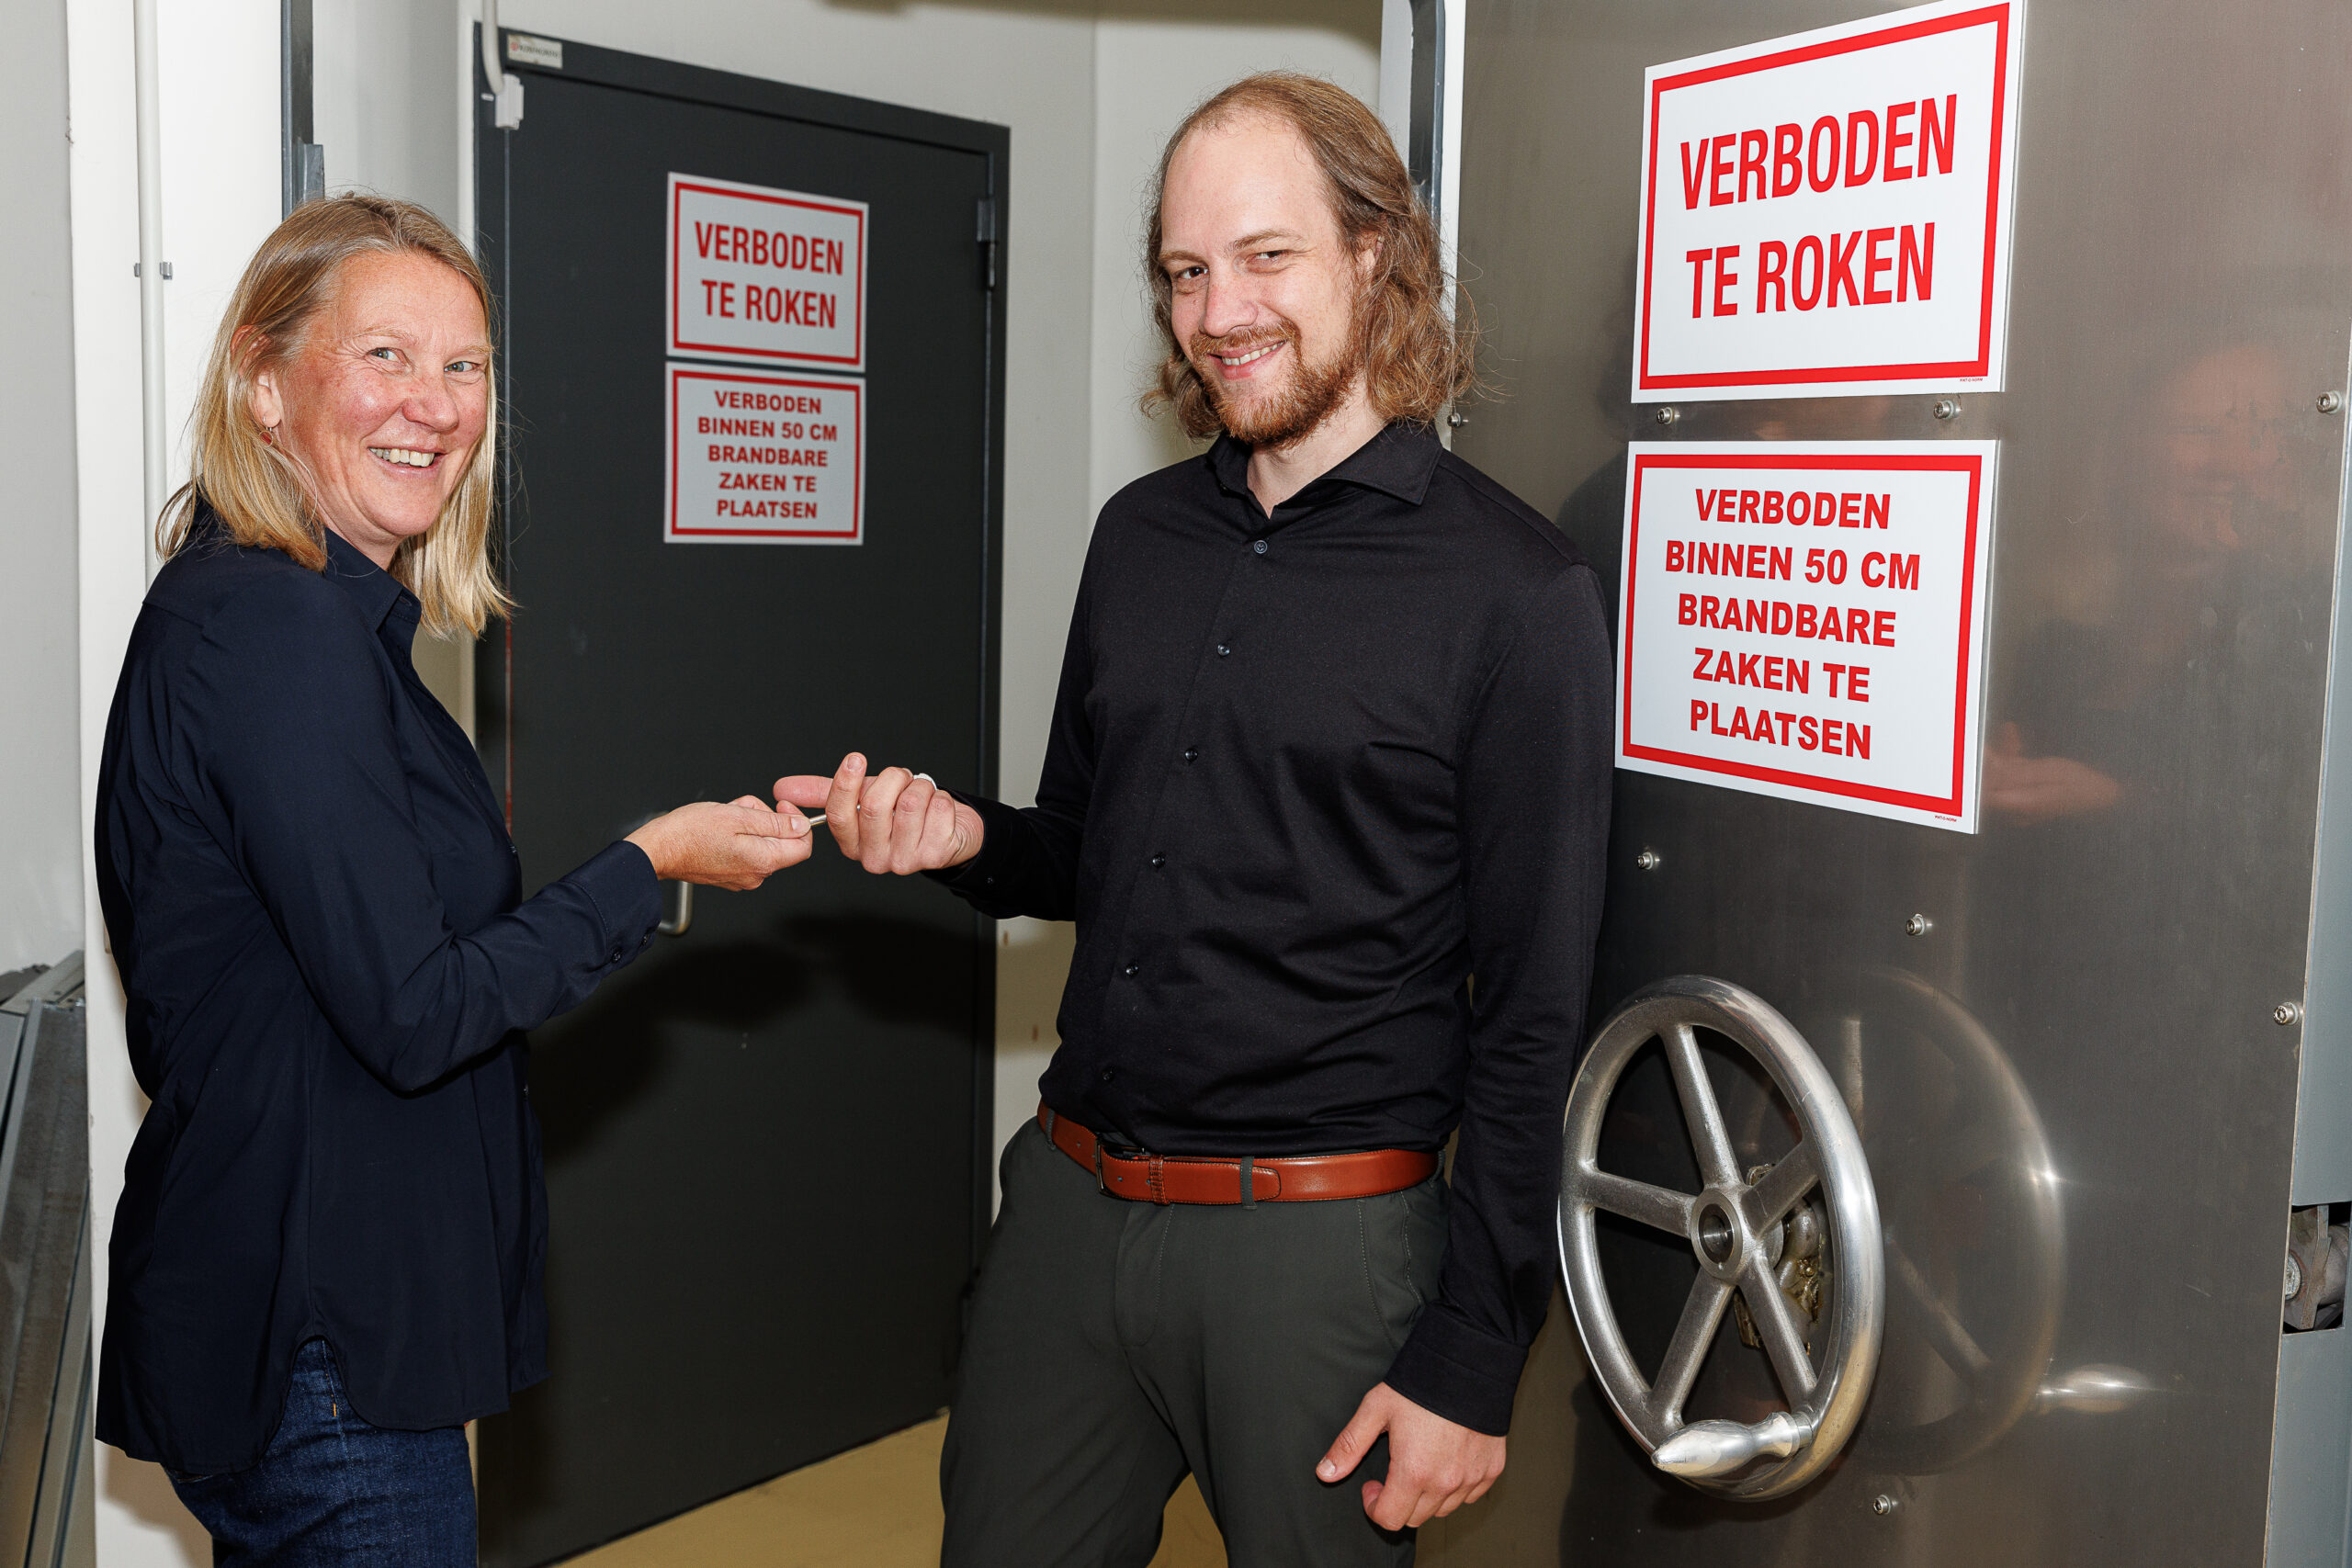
[1403,1251]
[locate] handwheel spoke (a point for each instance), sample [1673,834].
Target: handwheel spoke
[1945,1336]
[1783,1186]
[1687,1351]
[1717,1167]
[1783,1336]
[1653,1206]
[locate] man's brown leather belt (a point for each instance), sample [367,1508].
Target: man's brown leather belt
[1190,1179]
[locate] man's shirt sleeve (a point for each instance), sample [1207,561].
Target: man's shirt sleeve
[1028,859]
[1534,795]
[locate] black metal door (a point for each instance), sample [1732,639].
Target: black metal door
[766,1140]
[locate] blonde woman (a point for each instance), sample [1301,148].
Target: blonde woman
[328,1252]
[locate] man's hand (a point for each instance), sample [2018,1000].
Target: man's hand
[738,846]
[1435,1466]
[894,823]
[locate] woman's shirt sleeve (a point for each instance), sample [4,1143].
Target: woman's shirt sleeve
[291,732]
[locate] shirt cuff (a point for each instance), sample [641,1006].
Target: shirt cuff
[980,881]
[1462,1374]
[621,882]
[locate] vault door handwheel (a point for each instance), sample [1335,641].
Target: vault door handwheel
[1735,1224]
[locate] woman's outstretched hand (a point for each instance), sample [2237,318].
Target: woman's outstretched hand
[737,845]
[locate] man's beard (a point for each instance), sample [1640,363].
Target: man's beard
[1279,419]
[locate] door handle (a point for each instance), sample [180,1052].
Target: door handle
[1710,1448]
[683,921]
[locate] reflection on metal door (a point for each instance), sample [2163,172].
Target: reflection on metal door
[765,1139]
[2076,1072]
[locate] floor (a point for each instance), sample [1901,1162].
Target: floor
[872,1507]
[878,1507]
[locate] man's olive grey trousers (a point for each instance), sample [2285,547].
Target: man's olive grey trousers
[1116,1346]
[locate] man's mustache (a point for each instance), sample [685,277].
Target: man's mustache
[1202,346]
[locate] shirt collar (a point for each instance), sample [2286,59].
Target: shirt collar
[1398,461]
[370,585]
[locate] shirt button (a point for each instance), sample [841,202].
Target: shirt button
[1131,970]
[1222,650]
[1110,1075]
[1260,547]
[1191,753]
[1159,861]
[618,953]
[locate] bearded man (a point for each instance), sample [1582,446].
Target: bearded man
[1332,738]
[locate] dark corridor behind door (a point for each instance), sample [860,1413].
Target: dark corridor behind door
[766,1140]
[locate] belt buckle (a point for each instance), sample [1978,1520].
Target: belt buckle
[1106,1149]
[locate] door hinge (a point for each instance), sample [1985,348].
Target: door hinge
[987,242]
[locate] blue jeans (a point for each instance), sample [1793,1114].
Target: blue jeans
[334,1490]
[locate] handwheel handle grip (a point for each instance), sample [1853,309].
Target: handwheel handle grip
[1707,1449]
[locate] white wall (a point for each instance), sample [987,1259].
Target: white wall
[1152,67]
[385,100]
[219,93]
[40,879]
[1088,89]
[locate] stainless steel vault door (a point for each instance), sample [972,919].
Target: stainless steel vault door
[2079,1115]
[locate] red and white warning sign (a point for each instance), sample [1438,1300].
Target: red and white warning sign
[1829,213]
[1805,620]
[761,458]
[767,275]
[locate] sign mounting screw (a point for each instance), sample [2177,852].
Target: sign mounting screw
[1918,925]
[2329,403]
[2286,1013]
[1647,860]
[1666,413]
[1944,407]
[1882,1504]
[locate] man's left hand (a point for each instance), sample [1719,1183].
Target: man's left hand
[1435,1466]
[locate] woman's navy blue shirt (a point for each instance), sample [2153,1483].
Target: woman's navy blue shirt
[318,917]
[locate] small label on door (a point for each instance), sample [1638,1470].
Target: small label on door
[765,459]
[766,274]
[524,49]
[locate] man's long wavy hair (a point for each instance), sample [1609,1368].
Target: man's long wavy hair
[1417,357]
[259,490]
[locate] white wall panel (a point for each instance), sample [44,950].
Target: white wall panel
[217,79]
[385,103]
[1151,69]
[40,886]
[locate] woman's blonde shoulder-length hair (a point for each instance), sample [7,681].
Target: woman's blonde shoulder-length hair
[255,486]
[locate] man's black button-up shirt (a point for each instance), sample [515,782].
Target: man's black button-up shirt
[1308,774]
